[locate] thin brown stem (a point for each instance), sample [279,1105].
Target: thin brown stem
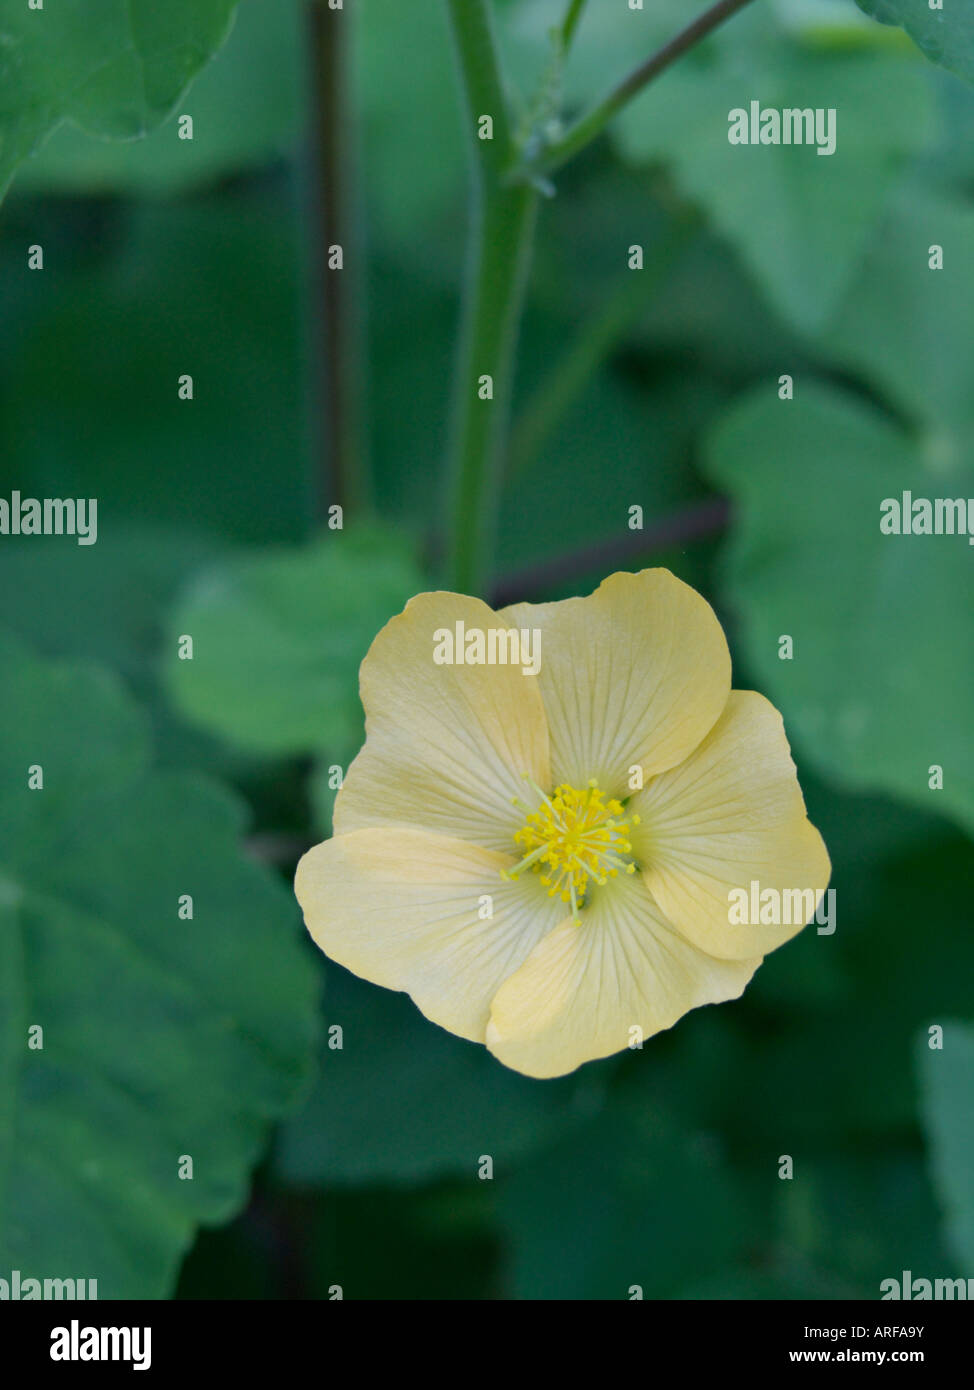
[591,125]
[692,524]
[343,470]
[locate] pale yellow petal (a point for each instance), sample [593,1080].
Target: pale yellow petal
[634,675]
[404,909]
[584,989]
[731,815]
[447,745]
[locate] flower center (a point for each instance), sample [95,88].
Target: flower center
[573,836]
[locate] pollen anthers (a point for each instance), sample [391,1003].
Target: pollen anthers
[574,835]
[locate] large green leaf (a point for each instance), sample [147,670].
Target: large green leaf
[844,1068]
[633,1200]
[404,1102]
[163,1038]
[906,328]
[947,1082]
[845,1221]
[278,639]
[945,34]
[110,603]
[247,109]
[208,288]
[114,67]
[107,602]
[878,691]
[799,221]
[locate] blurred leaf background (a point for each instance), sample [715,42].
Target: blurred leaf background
[657,1168]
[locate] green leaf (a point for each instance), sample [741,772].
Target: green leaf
[945,35]
[846,1220]
[864,1216]
[729,328]
[832,23]
[211,289]
[878,690]
[114,67]
[845,1069]
[800,221]
[947,1085]
[247,109]
[163,1038]
[905,328]
[107,602]
[402,1101]
[278,639]
[949,162]
[110,603]
[632,1200]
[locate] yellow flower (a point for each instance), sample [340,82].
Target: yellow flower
[492,858]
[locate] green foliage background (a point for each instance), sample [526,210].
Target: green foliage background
[316,1167]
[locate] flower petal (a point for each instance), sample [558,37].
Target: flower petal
[635,674]
[447,746]
[402,908]
[730,815]
[583,988]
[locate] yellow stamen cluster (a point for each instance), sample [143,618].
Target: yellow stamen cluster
[574,836]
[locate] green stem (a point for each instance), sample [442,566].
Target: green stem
[502,228]
[585,130]
[570,22]
[480,78]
